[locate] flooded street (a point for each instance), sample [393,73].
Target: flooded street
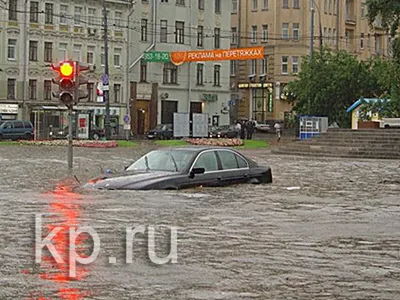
[325,229]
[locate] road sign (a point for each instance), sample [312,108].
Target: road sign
[156,56]
[127,119]
[105,79]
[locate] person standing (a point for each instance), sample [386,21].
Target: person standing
[278,129]
[250,129]
[243,130]
[238,128]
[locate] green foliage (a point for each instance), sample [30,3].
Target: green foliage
[332,82]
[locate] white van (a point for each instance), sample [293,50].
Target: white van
[389,122]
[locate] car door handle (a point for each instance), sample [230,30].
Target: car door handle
[245,175]
[219,178]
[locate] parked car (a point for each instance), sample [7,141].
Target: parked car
[225,131]
[96,133]
[263,127]
[390,123]
[188,167]
[161,132]
[16,130]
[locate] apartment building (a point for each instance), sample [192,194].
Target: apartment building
[161,88]
[38,33]
[283,27]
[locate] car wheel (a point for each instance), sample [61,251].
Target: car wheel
[387,126]
[96,137]
[28,136]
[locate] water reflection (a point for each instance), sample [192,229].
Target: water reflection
[64,213]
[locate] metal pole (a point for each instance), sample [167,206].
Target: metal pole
[106,87]
[312,32]
[127,87]
[263,101]
[25,60]
[70,148]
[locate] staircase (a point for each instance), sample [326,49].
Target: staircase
[365,143]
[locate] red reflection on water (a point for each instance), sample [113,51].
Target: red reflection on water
[64,210]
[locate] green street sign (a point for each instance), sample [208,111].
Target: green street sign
[156,56]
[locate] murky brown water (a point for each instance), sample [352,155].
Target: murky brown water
[337,237]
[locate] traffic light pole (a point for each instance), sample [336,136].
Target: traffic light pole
[70,146]
[106,94]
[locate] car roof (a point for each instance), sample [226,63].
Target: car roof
[197,148]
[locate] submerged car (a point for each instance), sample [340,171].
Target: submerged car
[180,168]
[224,131]
[161,132]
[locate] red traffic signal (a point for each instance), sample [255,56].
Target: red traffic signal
[67,69]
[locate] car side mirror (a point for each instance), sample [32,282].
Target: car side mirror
[126,168]
[197,171]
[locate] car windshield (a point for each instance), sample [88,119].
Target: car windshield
[223,127]
[164,160]
[162,127]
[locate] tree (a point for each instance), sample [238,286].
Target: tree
[332,82]
[388,12]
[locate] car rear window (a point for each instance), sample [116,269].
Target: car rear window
[18,124]
[27,124]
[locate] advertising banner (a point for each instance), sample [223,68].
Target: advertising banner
[180,57]
[200,125]
[181,125]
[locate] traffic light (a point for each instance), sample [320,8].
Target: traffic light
[82,80]
[66,82]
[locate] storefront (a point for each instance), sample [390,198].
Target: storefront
[8,112]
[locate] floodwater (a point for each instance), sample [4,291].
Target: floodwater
[325,229]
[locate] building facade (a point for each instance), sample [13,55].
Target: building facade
[283,27]
[38,33]
[161,88]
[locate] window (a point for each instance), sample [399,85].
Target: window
[264,65]
[77,16]
[48,13]
[33,51]
[285,31]
[264,33]
[334,36]
[233,67]
[11,89]
[325,6]
[285,4]
[200,74]
[63,14]
[12,10]
[117,21]
[200,36]
[334,7]
[32,89]
[179,32]
[217,75]
[284,64]
[208,161]
[217,6]
[77,52]
[234,6]
[362,41]
[48,51]
[91,17]
[296,4]
[234,36]
[265,4]
[330,7]
[253,67]
[90,89]
[47,90]
[34,12]
[62,51]
[143,71]
[11,52]
[90,55]
[254,34]
[295,64]
[254,4]
[201,4]
[163,31]
[217,38]
[228,160]
[296,27]
[362,11]
[117,93]
[143,30]
[117,57]
[180,2]
[170,74]
[18,124]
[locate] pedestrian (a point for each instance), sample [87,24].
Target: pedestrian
[278,129]
[238,128]
[250,129]
[243,130]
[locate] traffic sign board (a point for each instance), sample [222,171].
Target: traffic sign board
[127,119]
[156,56]
[105,79]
